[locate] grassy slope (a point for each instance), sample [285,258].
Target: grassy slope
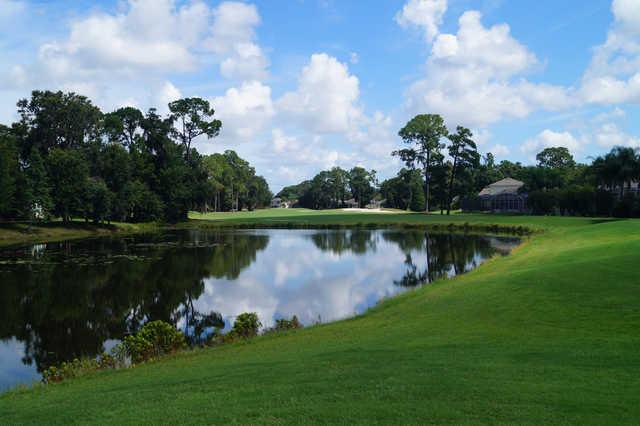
[546,335]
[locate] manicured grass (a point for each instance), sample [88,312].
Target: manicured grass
[547,335]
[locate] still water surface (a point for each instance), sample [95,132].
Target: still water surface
[78,298]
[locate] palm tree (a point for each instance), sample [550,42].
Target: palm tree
[618,168]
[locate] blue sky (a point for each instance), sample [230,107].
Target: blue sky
[303,85]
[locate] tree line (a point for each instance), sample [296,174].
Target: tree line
[65,158]
[441,168]
[333,188]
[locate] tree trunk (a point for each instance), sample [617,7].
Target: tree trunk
[449,192]
[427,185]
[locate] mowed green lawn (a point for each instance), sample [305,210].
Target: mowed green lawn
[547,335]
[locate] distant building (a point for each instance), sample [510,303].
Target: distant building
[502,196]
[376,204]
[351,204]
[632,188]
[278,202]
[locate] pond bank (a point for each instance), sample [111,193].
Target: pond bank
[21,233]
[548,334]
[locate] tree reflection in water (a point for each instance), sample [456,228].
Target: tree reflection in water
[67,300]
[72,297]
[441,255]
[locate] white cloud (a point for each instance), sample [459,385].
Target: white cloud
[233,39]
[613,76]
[152,34]
[244,111]
[167,94]
[499,150]
[609,135]
[425,14]
[130,53]
[326,98]
[616,113]
[482,136]
[475,78]
[549,139]
[627,12]
[304,154]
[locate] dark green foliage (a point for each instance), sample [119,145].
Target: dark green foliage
[68,173]
[284,324]
[154,339]
[123,125]
[35,188]
[65,158]
[140,203]
[362,184]
[418,202]
[232,184]
[246,325]
[193,117]
[332,188]
[423,134]
[294,192]
[57,120]
[9,174]
[97,201]
[465,158]
[555,158]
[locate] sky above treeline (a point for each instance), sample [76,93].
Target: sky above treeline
[304,85]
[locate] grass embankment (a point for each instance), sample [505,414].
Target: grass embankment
[549,334]
[24,233]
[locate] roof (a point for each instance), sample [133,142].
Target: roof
[504,186]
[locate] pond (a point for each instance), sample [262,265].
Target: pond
[79,298]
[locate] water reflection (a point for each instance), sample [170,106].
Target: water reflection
[63,300]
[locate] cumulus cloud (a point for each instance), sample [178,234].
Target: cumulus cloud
[151,34]
[613,76]
[475,77]
[424,14]
[244,111]
[548,139]
[167,94]
[609,135]
[325,100]
[233,38]
[130,53]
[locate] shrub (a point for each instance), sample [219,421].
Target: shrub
[154,339]
[285,324]
[68,370]
[246,325]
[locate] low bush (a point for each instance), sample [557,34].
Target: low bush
[246,325]
[154,339]
[158,338]
[285,324]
